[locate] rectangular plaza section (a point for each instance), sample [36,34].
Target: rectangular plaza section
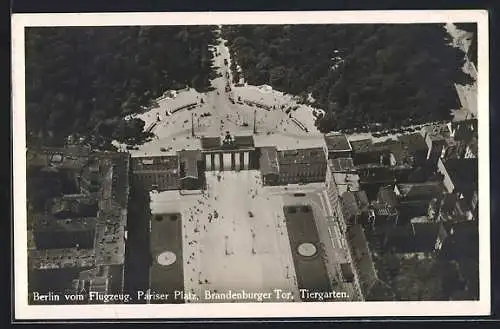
[234,240]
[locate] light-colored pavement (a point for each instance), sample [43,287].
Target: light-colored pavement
[233,250]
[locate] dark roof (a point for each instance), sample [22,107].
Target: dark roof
[420,191]
[169,162]
[425,235]
[402,155]
[407,147]
[82,207]
[463,173]
[382,209]
[210,143]
[307,156]
[362,145]
[378,150]
[385,146]
[464,130]
[448,207]
[337,142]
[387,196]
[371,286]
[354,203]
[346,270]
[463,239]
[361,257]
[189,162]
[269,160]
[473,146]
[52,224]
[414,142]
[436,131]
[109,206]
[342,165]
[244,141]
[398,239]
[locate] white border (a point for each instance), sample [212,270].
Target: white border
[23,311]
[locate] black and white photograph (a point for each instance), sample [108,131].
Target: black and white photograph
[181,165]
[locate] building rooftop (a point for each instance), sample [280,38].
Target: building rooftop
[463,239]
[402,155]
[164,163]
[464,130]
[211,143]
[53,224]
[422,191]
[61,258]
[69,158]
[189,163]
[371,286]
[413,142]
[463,173]
[303,156]
[362,145]
[342,165]
[382,209]
[229,141]
[68,206]
[473,146]
[244,141]
[387,196]
[385,146]
[425,235]
[436,132]
[354,203]
[337,143]
[269,160]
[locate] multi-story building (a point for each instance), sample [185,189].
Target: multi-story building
[191,170]
[338,146]
[302,166]
[156,173]
[83,232]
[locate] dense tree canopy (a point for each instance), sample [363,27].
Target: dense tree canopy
[79,77]
[389,74]
[414,279]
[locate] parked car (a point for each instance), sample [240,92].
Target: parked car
[250,214]
[163,149]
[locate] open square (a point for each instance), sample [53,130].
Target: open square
[234,238]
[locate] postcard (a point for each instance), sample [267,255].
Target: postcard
[251,164]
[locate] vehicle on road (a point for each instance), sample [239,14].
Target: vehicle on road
[299,194]
[250,214]
[162,149]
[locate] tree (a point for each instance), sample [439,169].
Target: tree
[77,77]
